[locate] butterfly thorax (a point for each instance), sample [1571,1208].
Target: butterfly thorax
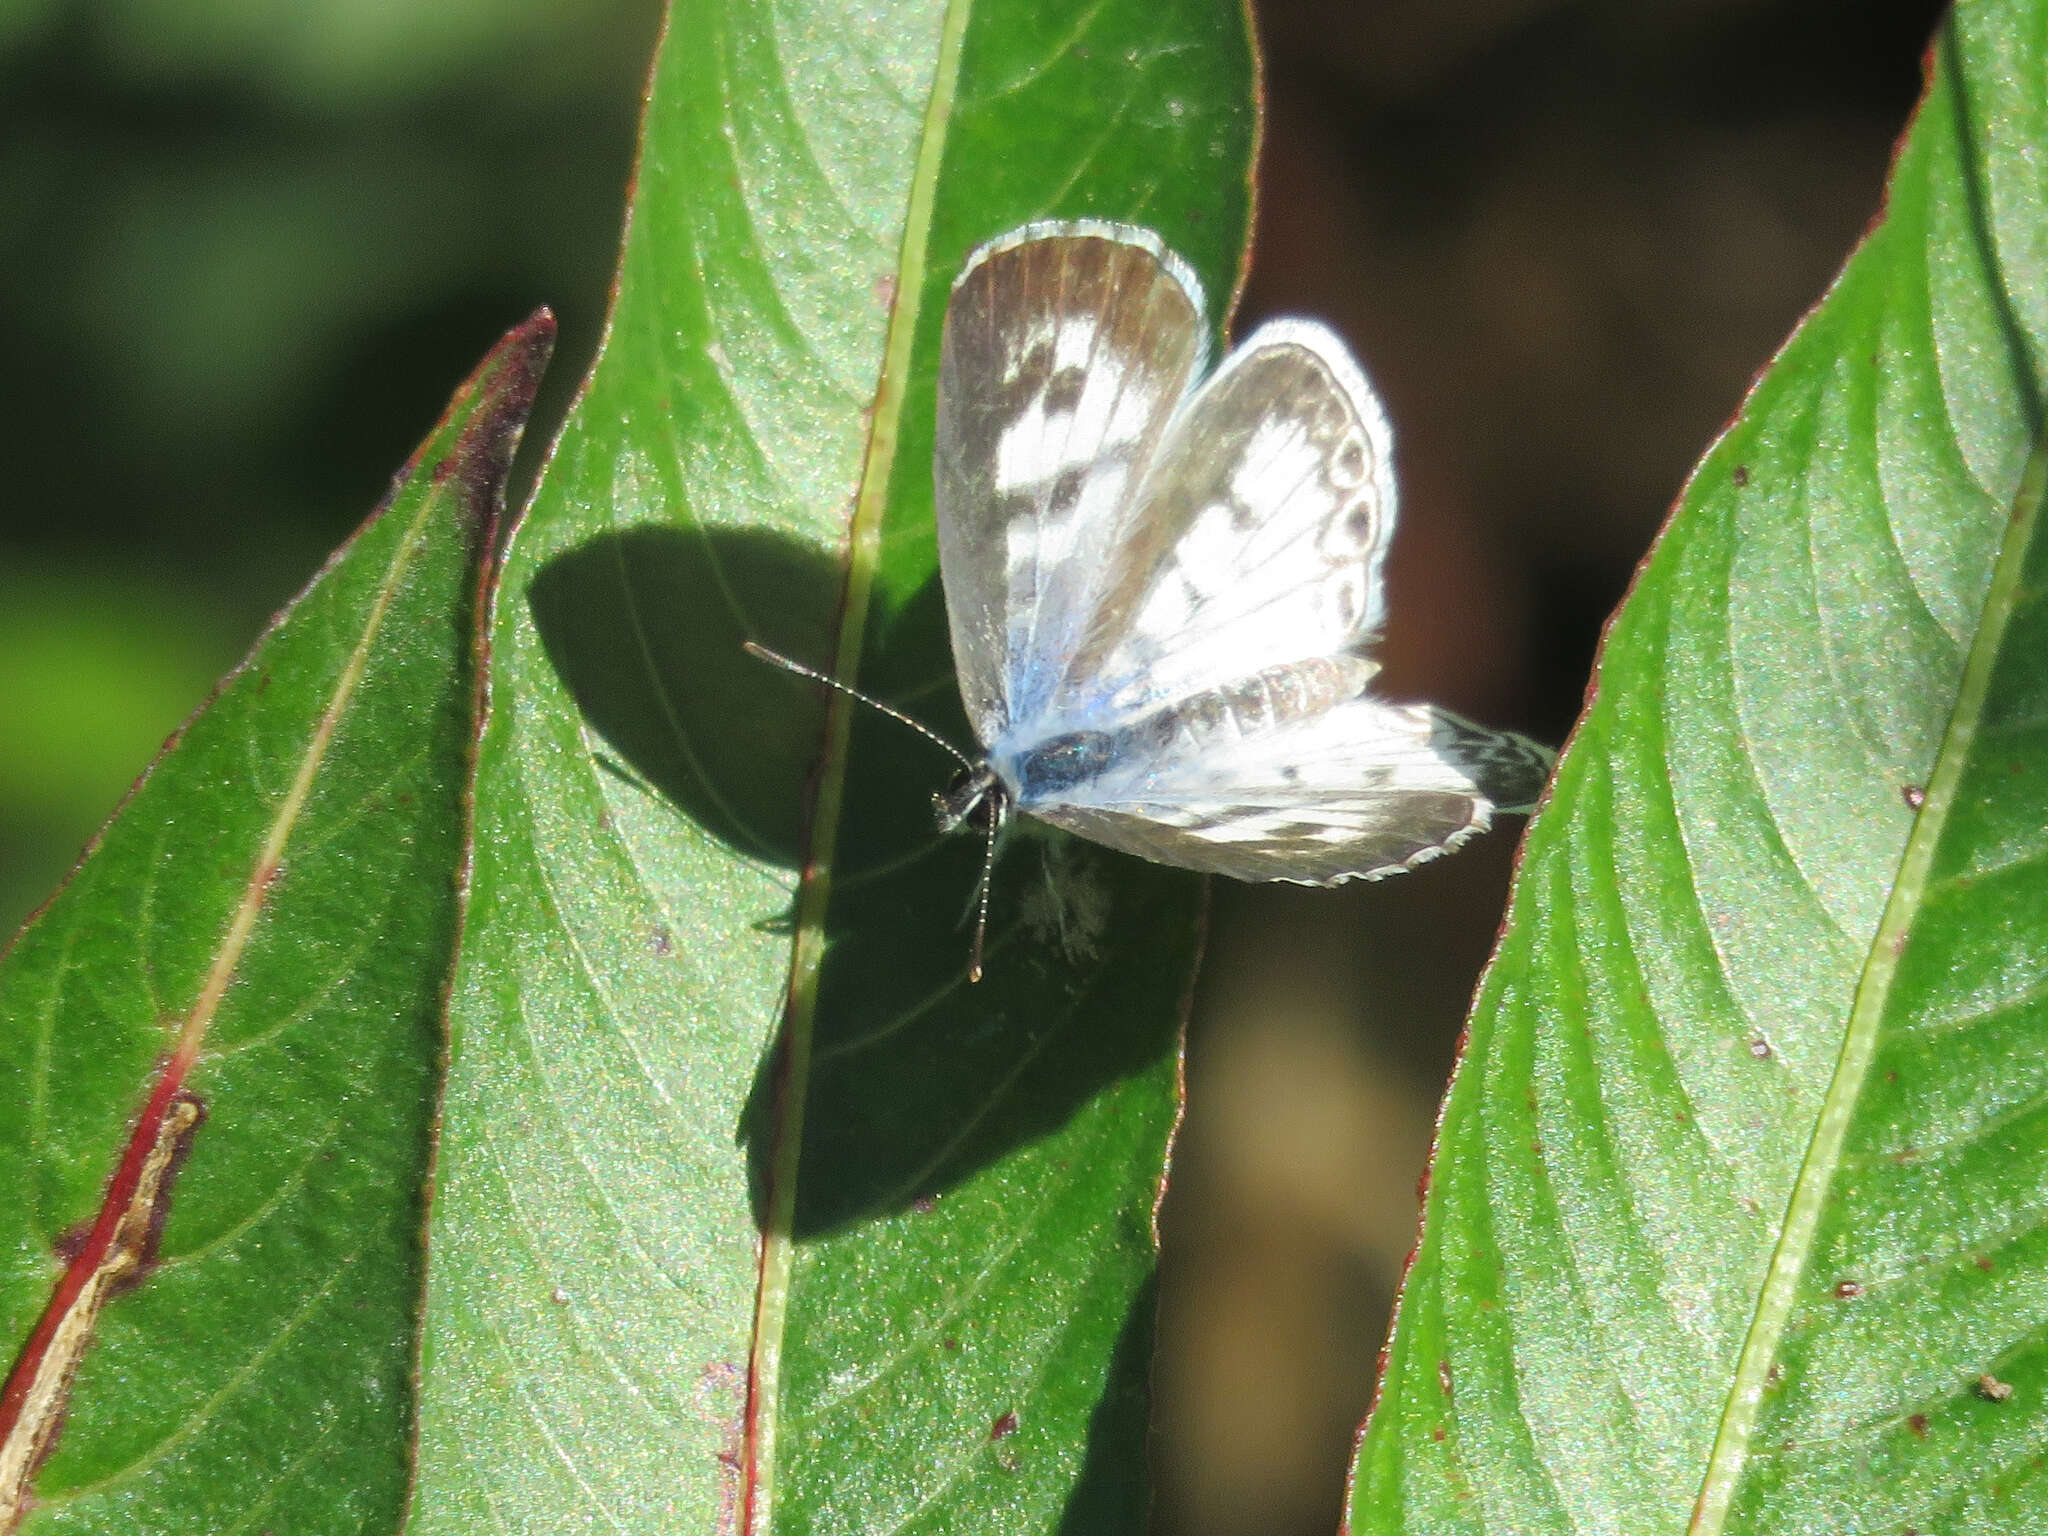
[1049,768]
[1023,776]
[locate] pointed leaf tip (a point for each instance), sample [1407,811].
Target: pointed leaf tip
[497,399]
[270,918]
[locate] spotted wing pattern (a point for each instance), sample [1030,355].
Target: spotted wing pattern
[1067,347]
[1296,774]
[1258,535]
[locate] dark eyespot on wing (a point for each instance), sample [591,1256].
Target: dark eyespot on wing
[1063,387]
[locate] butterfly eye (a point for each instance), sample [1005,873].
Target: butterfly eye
[971,791]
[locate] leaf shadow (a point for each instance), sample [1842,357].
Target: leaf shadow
[1113,1492]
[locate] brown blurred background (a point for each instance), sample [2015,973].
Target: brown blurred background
[246,249]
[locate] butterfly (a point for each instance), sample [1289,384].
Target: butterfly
[1162,584]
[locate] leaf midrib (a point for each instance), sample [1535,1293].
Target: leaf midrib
[771,1310]
[1794,1249]
[41,1372]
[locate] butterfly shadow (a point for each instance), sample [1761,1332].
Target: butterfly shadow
[917,1079]
[645,628]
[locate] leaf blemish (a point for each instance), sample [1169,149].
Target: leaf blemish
[116,1255]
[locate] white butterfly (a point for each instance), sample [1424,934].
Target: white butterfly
[1160,585]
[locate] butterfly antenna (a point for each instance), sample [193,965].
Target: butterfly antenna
[762,653]
[988,872]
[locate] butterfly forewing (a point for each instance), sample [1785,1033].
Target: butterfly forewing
[1259,532]
[1066,349]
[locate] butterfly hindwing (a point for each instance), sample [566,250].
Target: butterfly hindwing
[1067,347]
[1360,790]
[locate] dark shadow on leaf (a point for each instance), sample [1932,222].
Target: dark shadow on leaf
[1114,1491]
[919,1080]
[645,626]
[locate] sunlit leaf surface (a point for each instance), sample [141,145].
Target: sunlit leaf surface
[263,937]
[1737,1217]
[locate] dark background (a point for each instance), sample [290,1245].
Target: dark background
[246,250]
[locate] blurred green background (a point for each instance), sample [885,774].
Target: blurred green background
[248,246]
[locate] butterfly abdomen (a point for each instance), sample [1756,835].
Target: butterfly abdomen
[1062,764]
[1252,706]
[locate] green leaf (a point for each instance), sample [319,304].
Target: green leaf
[1737,1216]
[261,940]
[750,1210]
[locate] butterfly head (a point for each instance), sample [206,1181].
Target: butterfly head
[976,794]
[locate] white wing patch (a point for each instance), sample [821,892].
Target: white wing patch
[1066,349]
[1264,520]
